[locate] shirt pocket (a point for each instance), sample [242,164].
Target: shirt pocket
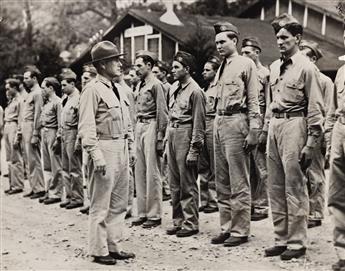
[233,93]
[295,91]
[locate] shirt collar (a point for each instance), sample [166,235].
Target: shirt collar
[104,80]
[149,78]
[292,59]
[230,58]
[183,86]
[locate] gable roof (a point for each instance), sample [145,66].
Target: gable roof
[246,26]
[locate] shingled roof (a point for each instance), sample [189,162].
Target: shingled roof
[247,27]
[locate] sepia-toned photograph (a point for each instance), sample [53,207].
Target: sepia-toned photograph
[172,135]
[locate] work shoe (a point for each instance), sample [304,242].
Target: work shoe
[152,223]
[128,215]
[74,204]
[339,266]
[139,221]
[209,209]
[106,260]
[275,251]
[186,233]
[258,216]
[173,230]
[15,191]
[202,208]
[292,253]
[51,201]
[7,190]
[314,223]
[122,255]
[37,195]
[166,197]
[85,210]
[42,199]
[64,204]
[220,238]
[234,241]
[28,195]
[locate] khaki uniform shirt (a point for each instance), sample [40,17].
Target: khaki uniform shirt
[103,116]
[336,104]
[70,112]
[131,99]
[237,88]
[1,118]
[32,108]
[211,96]
[51,112]
[151,103]
[297,88]
[327,87]
[263,75]
[189,107]
[12,110]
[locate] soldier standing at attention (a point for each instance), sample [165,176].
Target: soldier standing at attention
[30,128]
[185,139]
[67,138]
[13,152]
[251,48]
[316,173]
[335,139]
[208,192]
[295,123]
[51,147]
[236,131]
[106,134]
[152,118]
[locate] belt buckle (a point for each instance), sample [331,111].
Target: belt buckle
[175,125]
[286,115]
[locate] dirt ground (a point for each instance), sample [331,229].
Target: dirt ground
[39,237]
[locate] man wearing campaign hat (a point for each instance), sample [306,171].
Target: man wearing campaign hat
[67,138]
[208,198]
[152,119]
[185,139]
[335,138]
[316,174]
[236,131]
[106,134]
[293,124]
[251,48]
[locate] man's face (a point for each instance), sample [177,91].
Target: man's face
[142,69]
[225,46]
[208,73]
[28,81]
[113,67]
[46,91]
[10,92]
[158,73]
[67,88]
[134,78]
[86,77]
[286,41]
[178,71]
[250,52]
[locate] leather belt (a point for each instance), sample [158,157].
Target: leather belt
[287,115]
[142,120]
[180,125]
[341,119]
[110,137]
[230,113]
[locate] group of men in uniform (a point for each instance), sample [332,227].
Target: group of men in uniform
[253,135]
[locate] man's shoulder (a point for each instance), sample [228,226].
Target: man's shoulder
[324,78]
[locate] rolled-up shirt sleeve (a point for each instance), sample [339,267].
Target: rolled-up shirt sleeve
[162,111]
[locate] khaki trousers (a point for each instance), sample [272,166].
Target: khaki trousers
[182,179]
[108,198]
[148,182]
[287,184]
[232,174]
[71,164]
[52,163]
[14,157]
[35,174]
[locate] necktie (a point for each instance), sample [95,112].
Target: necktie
[284,66]
[115,90]
[221,69]
[64,101]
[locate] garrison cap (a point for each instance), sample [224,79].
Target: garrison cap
[283,20]
[225,27]
[163,66]
[251,41]
[186,59]
[140,53]
[68,74]
[312,46]
[89,68]
[214,60]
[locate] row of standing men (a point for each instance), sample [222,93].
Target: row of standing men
[220,133]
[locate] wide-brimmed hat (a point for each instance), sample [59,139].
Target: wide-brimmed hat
[104,50]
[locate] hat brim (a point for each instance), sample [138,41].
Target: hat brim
[104,58]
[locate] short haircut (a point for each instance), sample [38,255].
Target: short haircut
[69,80]
[14,83]
[215,66]
[19,77]
[232,35]
[147,59]
[54,83]
[293,28]
[34,71]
